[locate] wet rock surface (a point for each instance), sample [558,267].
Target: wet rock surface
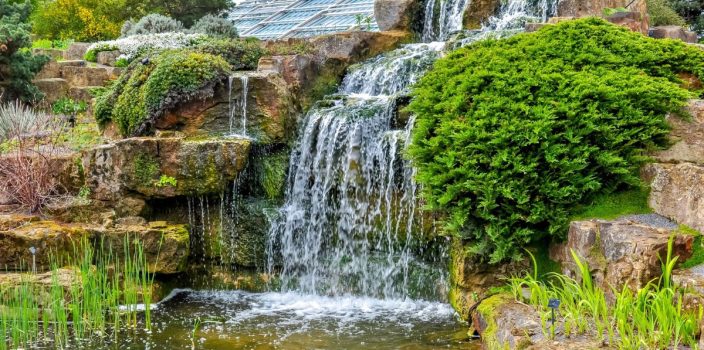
[621,252]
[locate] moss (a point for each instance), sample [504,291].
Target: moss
[545,265]
[614,205]
[697,257]
[146,169]
[272,175]
[487,310]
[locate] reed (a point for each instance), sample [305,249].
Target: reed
[101,301]
[652,317]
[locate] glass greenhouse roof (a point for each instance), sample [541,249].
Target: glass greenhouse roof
[276,19]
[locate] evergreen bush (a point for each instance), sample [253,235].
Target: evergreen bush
[215,26]
[512,134]
[662,14]
[17,64]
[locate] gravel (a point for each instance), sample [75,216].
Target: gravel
[654,220]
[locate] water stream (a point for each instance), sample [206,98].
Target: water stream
[238,107]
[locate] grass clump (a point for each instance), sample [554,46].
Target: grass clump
[652,317]
[513,134]
[97,303]
[146,91]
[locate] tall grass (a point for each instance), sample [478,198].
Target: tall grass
[99,302]
[652,317]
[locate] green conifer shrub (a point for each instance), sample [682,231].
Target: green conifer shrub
[17,64]
[512,134]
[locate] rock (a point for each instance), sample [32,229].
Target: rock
[673,32]
[54,54]
[163,167]
[54,69]
[677,192]
[53,89]
[353,47]
[470,280]
[299,71]
[687,137]
[534,27]
[76,210]
[691,281]
[82,93]
[12,221]
[166,246]
[51,240]
[213,276]
[620,252]
[503,321]
[76,51]
[635,21]
[271,112]
[85,76]
[586,8]
[108,58]
[397,14]
[478,12]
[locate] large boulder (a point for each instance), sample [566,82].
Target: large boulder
[164,167]
[353,47]
[677,192]
[635,21]
[76,51]
[269,105]
[621,252]
[673,32]
[397,14]
[687,137]
[478,12]
[50,242]
[586,8]
[166,246]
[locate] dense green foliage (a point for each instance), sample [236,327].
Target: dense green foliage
[240,54]
[146,91]
[511,134]
[610,206]
[661,14]
[91,20]
[17,64]
[215,26]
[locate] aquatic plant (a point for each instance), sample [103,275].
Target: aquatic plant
[651,317]
[96,302]
[512,134]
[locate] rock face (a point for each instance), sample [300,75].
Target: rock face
[352,47]
[48,238]
[108,58]
[635,21]
[673,32]
[166,247]
[270,110]
[502,321]
[163,167]
[686,136]
[469,279]
[479,12]
[397,14]
[677,192]
[619,252]
[76,51]
[586,8]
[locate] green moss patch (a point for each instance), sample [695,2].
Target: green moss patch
[611,206]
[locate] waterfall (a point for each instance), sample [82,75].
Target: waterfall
[514,14]
[448,21]
[350,216]
[239,106]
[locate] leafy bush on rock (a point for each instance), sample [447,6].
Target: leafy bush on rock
[511,134]
[146,90]
[152,24]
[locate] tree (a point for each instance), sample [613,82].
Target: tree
[188,11]
[17,64]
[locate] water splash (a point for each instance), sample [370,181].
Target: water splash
[350,215]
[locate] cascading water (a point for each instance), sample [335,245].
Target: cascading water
[239,106]
[348,223]
[447,21]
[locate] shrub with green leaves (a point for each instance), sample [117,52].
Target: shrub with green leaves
[152,24]
[240,54]
[512,134]
[215,26]
[17,64]
[662,14]
[145,91]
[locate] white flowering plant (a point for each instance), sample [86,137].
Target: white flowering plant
[131,46]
